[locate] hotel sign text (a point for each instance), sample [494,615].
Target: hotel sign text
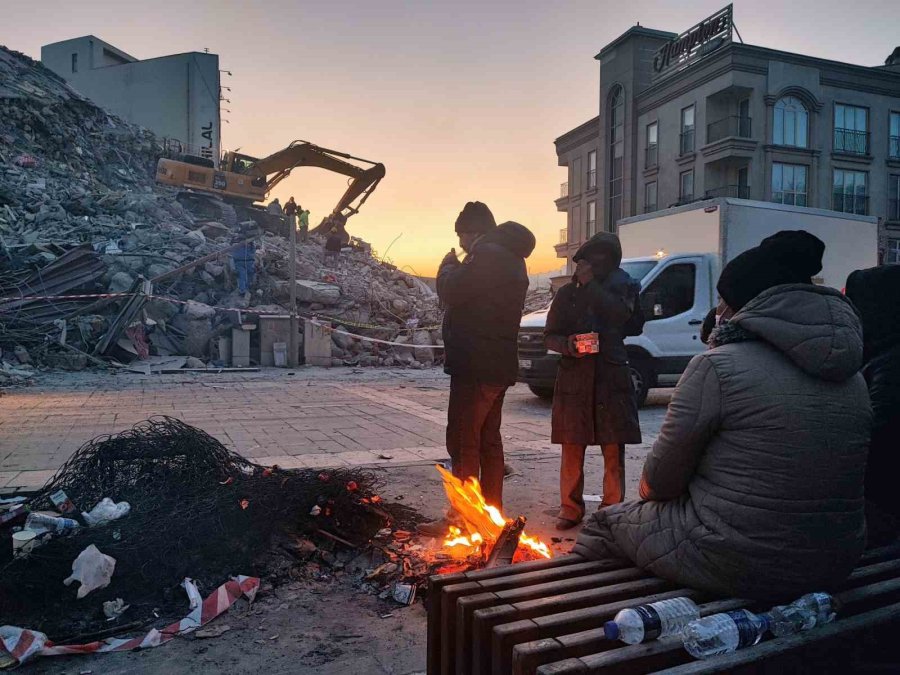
[709,34]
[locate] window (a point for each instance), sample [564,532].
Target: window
[74,63]
[591,218]
[892,254]
[743,186]
[650,197]
[592,170]
[791,123]
[669,294]
[851,129]
[652,158]
[893,197]
[894,136]
[687,130]
[616,155]
[789,184]
[686,189]
[849,193]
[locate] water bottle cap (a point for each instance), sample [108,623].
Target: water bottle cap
[611,630]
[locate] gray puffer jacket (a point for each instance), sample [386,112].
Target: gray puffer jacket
[755,484]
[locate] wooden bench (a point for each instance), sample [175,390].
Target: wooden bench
[547,617]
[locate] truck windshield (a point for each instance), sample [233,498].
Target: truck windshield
[638,269]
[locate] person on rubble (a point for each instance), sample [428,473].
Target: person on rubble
[290,207]
[594,401]
[876,294]
[754,487]
[244,258]
[303,215]
[333,245]
[483,299]
[274,207]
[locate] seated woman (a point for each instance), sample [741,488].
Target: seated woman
[754,487]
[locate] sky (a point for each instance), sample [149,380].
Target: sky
[459,100]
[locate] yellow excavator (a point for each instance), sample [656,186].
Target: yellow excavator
[229,193]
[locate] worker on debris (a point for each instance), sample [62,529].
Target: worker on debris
[594,402]
[333,246]
[274,207]
[304,222]
[290,207]
[754,487]
[244,257]
[483,299]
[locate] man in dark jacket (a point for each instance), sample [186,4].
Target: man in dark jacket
[876,294]
[483,299]
[594,401]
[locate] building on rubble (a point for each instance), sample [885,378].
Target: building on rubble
[693,116]
[176,97]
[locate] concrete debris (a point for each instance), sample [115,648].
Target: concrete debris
[81,215]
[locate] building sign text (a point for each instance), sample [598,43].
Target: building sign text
[709,34]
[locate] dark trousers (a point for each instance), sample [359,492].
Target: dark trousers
[571,478]
[473,435]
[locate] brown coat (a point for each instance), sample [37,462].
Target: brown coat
[755,483]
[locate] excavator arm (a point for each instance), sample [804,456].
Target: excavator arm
[277,166]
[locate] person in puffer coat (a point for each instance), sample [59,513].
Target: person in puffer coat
[754,487]
[876,294]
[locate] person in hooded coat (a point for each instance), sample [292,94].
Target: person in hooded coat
[483,298]
[876,294]
[593,401]
[754,487]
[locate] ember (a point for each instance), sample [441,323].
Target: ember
[481,524]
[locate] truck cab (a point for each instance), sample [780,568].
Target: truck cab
[677,291]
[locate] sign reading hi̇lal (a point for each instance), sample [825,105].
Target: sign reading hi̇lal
[706,36]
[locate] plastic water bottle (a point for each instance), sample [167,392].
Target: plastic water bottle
[813,609]
[39,522]
[651,622]
[724,633]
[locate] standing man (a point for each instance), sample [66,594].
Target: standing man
[594,401]
[274,207]
[483,299]
[304,223]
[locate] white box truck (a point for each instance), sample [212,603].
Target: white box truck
[677,255]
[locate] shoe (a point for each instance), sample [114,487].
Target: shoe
[435,528]
[567,523]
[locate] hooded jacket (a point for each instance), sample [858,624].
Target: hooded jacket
[756,479]
[483,299]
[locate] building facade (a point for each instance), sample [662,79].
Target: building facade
[177,97]
[695,116]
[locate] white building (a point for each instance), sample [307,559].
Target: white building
[176,97]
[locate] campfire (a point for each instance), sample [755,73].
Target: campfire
[483,531]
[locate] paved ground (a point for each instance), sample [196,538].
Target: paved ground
[309,418]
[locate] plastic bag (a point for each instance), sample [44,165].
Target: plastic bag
[93,569]
[106,511]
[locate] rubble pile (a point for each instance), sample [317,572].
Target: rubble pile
[538,298]
[73,175]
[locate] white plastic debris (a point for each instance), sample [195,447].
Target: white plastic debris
[93,569]
[193,592]
[106,511]
[315,510]
[113,609]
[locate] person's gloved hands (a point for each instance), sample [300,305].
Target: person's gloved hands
[450,259]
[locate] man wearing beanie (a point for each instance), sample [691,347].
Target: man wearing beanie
[483,299]
[754,486]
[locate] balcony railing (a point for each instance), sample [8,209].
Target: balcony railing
[851,141]
[564,190]
[733,125]
[739,191]
[894,147]
[850,203]
[687,141]
[893,209]
[564,236]
[591,180]
[652,156]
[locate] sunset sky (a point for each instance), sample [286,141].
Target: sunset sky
[460,100]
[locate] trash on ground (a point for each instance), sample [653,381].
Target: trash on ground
[105,512]
[113,609]
[92,569]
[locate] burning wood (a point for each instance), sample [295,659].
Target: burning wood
[482,526]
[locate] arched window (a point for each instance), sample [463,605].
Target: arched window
[616,155]
[791,124]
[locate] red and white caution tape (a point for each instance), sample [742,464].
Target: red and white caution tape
[23,644]
[328,329]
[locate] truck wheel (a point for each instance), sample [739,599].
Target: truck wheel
[642,377]
[545,393]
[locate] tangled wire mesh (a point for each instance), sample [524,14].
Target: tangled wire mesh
[197,510]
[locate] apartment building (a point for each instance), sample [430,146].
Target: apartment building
[699,115]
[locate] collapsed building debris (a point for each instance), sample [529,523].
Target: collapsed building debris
[77,187]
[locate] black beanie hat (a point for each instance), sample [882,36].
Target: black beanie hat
[787,257]
[476,218]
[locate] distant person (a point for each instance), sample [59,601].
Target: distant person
[244,258]
[333,246]
[754,487]
[483,299]
[304,223]
[594,402]
[274,207]
[290,207]
[876,294]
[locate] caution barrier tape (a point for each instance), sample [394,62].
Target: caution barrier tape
[330,330]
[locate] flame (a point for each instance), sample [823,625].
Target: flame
[481,523]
